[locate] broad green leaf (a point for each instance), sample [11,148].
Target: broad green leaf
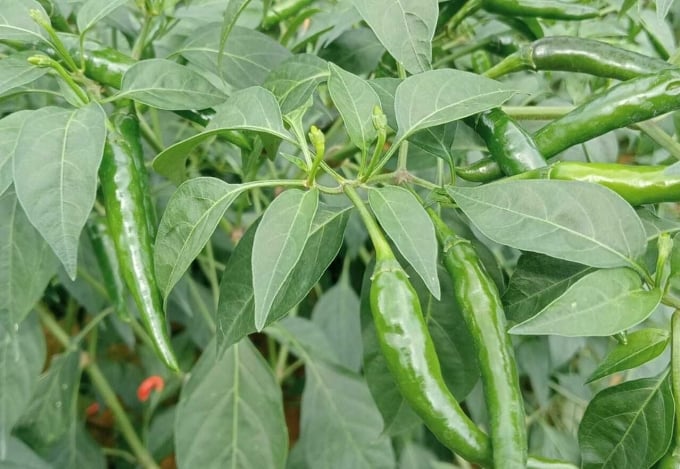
[231,14]
[190,218]
[304,334]
[92,11]
[386,88]
[655,225]
[26,262]
[253,109]
[337,314]
[17,25]
[405,28]
[17,455]
[230,413]
[50,412]
[294,81]
[235,318]
[249,56]
[22,357]
[340,424]
[10,129]
[76,448]
[571,220]
[536,282]
[278,245]
[67,146]
[15,71]
[165,84]
[628,426]
[407,224]
[355,100]
[641,347]
[440,96]
[437,140]
[602,303]
[356,50]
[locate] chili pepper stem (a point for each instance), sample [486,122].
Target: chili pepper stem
[382,248]
[44,23]
[47,62]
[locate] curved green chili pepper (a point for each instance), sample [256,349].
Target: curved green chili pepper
[122,176]
[409,351]
[482,310]
[484,170]
[548,9]
[575,54]
[632,101]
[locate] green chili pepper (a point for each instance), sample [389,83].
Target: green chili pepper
[484,170]
[548,9]
[575,54]
[410,353]
[632,101]
[483,313]
[105,252]
[509,144]
[123,178]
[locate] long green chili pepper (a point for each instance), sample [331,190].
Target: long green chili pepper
[575,54]
[632,101]
[410,353]
[105,252]
[122,176]
[509,144]
[483,313]
[548,9]
[484,170]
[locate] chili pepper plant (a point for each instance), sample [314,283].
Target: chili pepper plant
[339,234]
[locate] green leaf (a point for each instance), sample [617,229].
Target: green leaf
[294,81]
[386,88]
[642,346]
[10,129]
[235,311]
[17,455]
[278,245]
[356,50]
[536,282]
[92,11]
[26,262]
[76,448]
[51,411]
[231,14]
[15,71]
[16,23]
[437,140]
[249,56]
[340,425]
[337,314]
[440,96]
[569,220]
[190,218]
[407,224]
[655,225]
[602,303]
[355,100]
[230,413]
[253,109]
[22,357]
[67,147]
[405,28]
[165,84]
[628,426]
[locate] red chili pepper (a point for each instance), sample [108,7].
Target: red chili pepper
[92,409]
[152,383]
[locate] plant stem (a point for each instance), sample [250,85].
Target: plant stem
[44,61]
[540,113]
[379,243]
[283,12]
[657,134]
[44,23]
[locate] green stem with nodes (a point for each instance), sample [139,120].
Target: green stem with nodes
[44,23]
[319,142]
[44,61]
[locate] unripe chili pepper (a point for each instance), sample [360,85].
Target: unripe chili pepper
[509,144]
[122,176]
[484,170]
[632,101]
[548,9]
[409,351]
[575,54]
[482,310]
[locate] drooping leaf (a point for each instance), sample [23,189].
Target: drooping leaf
[294,81]
[407,224]
[230,413]
[165,84]
[405,28]
[628,426]
[190,218]
[278,245]
[67,146]
[641,347]
[536,282]
[22,357]
[569,220]
[437,140]
[340,425]
[253,109]
[235,318]
[440,96]
[602,303]
[10,129]
[15,71]
[92,11]
[17,25]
